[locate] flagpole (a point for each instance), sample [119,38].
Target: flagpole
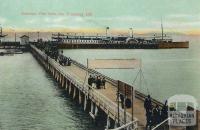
[132,106]
[118,102]
[125,105]
[86,74]
[87,68]
[140,73]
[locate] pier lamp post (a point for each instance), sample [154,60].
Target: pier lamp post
[131,32]
[107,28]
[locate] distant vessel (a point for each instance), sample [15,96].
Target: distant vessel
[116,42]
[10,52]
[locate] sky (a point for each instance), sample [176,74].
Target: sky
[95,15]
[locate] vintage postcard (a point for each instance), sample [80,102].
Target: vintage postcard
[100,65]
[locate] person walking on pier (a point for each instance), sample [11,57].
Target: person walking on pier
[164,112]
[69,61]
[98,82]
[149,120]
[156,115]
[93,80]
[147,103]
[121,96]
[103,82]
[90,80]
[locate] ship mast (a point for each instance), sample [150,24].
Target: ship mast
[162,28]
[1,31]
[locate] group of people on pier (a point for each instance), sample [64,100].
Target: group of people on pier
[97,81]
[154,115]
[63,60]
[125,102]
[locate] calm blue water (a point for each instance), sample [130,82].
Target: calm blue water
[31,100]
[166,71]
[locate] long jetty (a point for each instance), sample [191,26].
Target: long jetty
[73,79]
[164,45]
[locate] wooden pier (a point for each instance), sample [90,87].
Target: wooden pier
[73,79]
[162,45]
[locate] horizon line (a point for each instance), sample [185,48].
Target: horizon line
[102,31]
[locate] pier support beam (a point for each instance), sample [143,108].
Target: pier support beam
[63,82]
[80,97]
[108,122]
[92,110]
[57,75]
[74,95]
[96,111]
[60,78]
[66,84]
[54,73]
[53,70]
[116,124]
[92,107]
[48,66]
[85,103]
[70,87]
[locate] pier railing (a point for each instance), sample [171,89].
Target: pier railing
[163,125]
[125,126]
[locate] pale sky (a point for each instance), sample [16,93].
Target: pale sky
[177,15]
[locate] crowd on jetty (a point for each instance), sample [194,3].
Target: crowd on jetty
[154,115]
[65,61]
[53,52]
[96,81]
